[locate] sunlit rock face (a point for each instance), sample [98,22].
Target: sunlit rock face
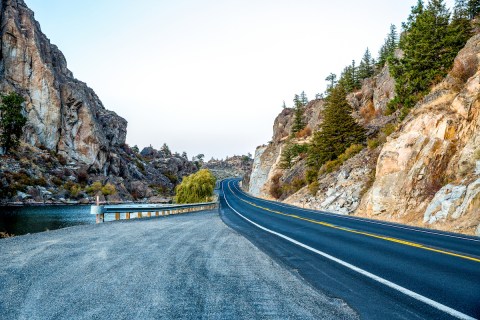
[427,171]
[64,114]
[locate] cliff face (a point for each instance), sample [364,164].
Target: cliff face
[266,162]
[427,173]
[70,141]
[236,166]
[64,114]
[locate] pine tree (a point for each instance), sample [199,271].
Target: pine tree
[166,150]
[365,68]
[298,123]
[332,79]
[387,50]
[337,132]
[303,98]
[473,8]
[12,120]
[429,45]
[284,106]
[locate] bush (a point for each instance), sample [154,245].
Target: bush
[72,188]
[108,189]
[313,188]
[476,154]
[275,187]
[94,188]
[373,143]
[305,132]
[82,176]
[57,181]
[195,188]
[12,120]
[311,175]
[40,182]
[172,177]
[140,166]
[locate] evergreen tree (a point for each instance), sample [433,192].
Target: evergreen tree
[337,132]
[166,150]
[284,106]
[332,79]
[303,98]
[365,68]
[473,8]
[387,50]
[349,78]
[12,120]
[298,123]
[429,45]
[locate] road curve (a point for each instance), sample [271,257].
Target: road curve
[382,270]
[189,266]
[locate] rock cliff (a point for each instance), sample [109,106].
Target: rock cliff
[266,162]
[235,166]
[64,114]
[427,173]
[70,140]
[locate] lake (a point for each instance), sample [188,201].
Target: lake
[31,219]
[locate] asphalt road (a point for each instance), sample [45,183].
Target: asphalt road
[382,270]
[189,266]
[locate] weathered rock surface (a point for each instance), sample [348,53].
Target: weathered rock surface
[235,166]
[70,140]
[341,191]
[438,142]
[267,157]
[64,114]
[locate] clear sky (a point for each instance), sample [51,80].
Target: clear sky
[210,76]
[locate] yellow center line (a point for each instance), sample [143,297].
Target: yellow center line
[372,235]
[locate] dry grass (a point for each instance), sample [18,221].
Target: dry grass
[305,132]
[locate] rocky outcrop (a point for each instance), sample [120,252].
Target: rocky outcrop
[70,141]
[236,166]
[341,191]
[437,143]
[64,114]
[267,157]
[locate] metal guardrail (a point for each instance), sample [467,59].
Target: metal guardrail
[151,210]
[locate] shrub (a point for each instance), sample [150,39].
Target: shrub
[72,188]
[40,182]
[82,176]
[275,187]
[476,154]
[305,132]
[197,187]
[57,181]
[94,188]
[108,189]
[313,188]
[311,175]
[172,177]
[373,143]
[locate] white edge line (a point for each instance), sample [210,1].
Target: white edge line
[390,284]
[354,218]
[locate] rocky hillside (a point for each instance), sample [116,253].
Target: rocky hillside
[236,166]
[70,141]
[424,170]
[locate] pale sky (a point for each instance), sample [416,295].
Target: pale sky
[210,76]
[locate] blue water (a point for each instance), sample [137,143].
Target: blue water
[23,220]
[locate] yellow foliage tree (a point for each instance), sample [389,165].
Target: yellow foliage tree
[195,188]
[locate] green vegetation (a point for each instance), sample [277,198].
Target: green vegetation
[388,48]
[332,165]
[430,42]
[290,153]
[195,188]
[337,132]
[300,101]
[12,120]
[97,187]
[382,136]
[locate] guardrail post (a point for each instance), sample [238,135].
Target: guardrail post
[98,212]
[117,216]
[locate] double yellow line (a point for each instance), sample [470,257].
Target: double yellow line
[372,235]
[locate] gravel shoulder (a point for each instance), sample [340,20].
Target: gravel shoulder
[188,266]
